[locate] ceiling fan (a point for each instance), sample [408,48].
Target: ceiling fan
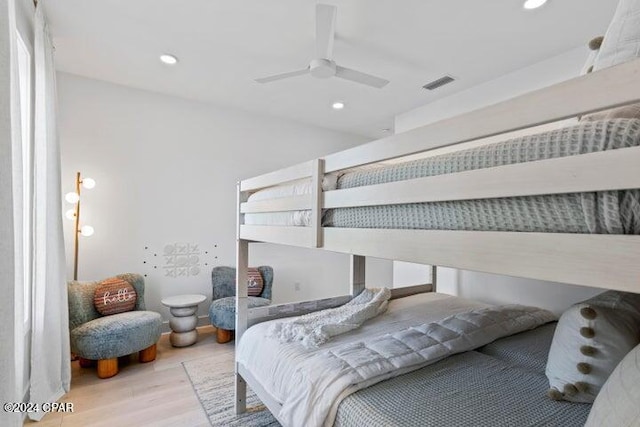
[323,66]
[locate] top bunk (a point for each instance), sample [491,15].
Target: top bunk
[560,205]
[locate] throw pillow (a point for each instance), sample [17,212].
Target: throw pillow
[254,282]
[621,44]
[622,40]
[114,296]
[617,402]
[592,337]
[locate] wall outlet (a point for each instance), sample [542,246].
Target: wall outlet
[296,286]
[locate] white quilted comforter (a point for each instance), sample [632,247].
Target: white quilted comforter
[311,383]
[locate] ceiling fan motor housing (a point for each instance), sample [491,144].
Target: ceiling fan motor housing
[322,68]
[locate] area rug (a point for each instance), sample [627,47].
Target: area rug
[213,382]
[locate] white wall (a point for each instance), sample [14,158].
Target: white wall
[410,274]
[166,171]
[488,287]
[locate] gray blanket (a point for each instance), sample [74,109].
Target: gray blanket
[608,212]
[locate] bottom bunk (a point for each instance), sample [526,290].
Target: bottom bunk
[438,360]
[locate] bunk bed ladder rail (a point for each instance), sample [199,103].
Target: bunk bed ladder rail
[242,298]
[316,203]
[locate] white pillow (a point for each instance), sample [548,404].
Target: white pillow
[622,39]
[618,403]
[591,339]
[621,44]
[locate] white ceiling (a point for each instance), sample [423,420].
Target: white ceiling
[224,45]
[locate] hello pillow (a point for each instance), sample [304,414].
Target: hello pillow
[113,296]
[591,338]
[254,282]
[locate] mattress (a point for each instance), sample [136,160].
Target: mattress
[608,212]
[273,364]
[501,384]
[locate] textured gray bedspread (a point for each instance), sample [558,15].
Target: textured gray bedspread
[610,212]
[502,384]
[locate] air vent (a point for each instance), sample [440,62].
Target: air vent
[438,83]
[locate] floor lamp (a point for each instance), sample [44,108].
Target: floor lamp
[74,214]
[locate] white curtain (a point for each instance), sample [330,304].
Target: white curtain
[50,357]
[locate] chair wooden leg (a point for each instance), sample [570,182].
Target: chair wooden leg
[86,363]
[107,367]
[148,354]
[223,335]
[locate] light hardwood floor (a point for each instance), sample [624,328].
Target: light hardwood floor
[157,393]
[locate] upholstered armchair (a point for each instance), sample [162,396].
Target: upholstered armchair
[222,312]
[95,337]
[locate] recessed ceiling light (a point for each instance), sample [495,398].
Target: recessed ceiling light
[534,4]
[168,59]
[338,105]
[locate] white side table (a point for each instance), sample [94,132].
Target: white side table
[183,322]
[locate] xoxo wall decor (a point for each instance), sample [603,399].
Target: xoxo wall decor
[177,260]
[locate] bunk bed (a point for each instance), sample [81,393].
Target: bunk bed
[588,180]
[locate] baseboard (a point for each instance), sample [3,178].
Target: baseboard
[202,321]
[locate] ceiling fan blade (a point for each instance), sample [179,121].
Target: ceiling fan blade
[282,76]
[325,30]
[360,77]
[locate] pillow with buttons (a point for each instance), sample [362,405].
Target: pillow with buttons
[592,337]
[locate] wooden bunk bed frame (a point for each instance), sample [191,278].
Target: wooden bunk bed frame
[597,260]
